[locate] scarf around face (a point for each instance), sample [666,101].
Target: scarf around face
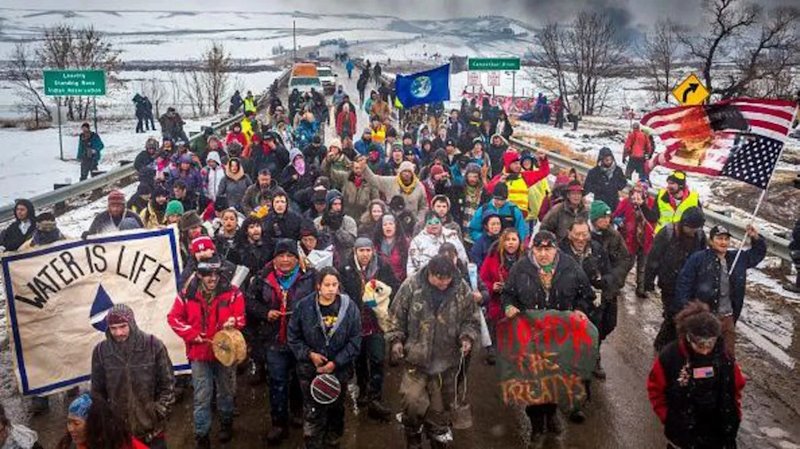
[407,189]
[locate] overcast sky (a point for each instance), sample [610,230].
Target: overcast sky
[631,12]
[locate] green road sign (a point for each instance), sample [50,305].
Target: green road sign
[494,64]
[60,83]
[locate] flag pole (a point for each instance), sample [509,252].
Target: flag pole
[760,200]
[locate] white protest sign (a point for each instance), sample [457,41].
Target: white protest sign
[58,297]
[474,79]
[493,79]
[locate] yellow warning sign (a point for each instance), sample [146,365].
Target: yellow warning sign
[690,91]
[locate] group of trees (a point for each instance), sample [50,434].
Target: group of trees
[60,47]
[203,86]
[738,49]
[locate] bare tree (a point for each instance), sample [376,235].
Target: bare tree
[154,90]
[582,58]
[552,57]
[23,74]
[660,53]
[595,55]
[771,57]
[193,91]
[217,65]
[760,45]
[64,47]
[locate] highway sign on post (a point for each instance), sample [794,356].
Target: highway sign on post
[493,64]
[81,83]
[690,91]
[493,79]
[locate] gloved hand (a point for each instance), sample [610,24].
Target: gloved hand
[397,351]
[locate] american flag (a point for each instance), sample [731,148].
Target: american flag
[752,160]
[740,138]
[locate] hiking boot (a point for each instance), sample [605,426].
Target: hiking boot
[537,425]
[202,442]
[794,287]
[413,438]
[554,424]
[258,376]
[378,411]
[276,435]
[225,431]
[599,372]
[577,416]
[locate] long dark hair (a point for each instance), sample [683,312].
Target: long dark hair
[400,237]
[104,430]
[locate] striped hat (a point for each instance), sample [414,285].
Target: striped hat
[325,389]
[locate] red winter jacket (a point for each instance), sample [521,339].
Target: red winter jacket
[493,271]
[637,145]
[191,316]
[628,211]
[659,385]
[239,137]
[341,117]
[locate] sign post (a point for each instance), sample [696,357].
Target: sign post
[493,80]
[78,83]
[60,139]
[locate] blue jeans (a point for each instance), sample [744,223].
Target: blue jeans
[282,385]
[205,377]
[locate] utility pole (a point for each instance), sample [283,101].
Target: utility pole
[294,39]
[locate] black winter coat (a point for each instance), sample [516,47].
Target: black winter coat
[307,335]
[666,258]
[700,277]
[604,188]
[275,161]
[284,226]
[570,288]
[353,286]
[700,413]
[12,237]
[595,265]
[264,294]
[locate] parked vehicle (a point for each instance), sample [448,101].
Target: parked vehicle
[305,76]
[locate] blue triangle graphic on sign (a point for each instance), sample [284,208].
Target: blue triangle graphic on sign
[100,307]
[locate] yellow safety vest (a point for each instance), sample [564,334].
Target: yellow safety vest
[536,195]
[518,193]
[249,104]
[667,214]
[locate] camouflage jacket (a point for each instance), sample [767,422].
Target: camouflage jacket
[430,336]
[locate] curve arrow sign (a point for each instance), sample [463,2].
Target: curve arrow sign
[691,89]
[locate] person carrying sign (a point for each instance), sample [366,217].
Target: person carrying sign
[132,371]
[207,305]
[546,279]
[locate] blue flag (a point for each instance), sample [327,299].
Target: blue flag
[430,86]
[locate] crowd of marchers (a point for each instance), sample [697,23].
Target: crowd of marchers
[403,207]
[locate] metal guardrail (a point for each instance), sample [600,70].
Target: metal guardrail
[50,199]
[776,246]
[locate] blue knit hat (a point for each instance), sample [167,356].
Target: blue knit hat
[79,408]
